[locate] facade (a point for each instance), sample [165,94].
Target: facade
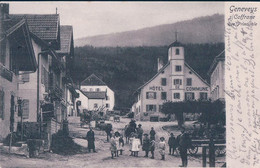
[15,59]
[91,101]
[95,88]
[217,77]
[175,81]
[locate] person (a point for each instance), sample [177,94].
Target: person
[131,143]
[117,137]
[113,148]
[162,146]
[146,145]
[140,132]
[152,147]
[132,124]
[172,144]
[184,143]
[152,134]
[108,130]
[127,134]
[91,140]
[136,145]
[121,144]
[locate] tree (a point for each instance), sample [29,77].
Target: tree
[174,108]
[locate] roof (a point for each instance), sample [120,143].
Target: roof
[95,95]
[175,44]
[220,57]
[66,39]
[162,69]
[18,29]
[92,80]
[45,27]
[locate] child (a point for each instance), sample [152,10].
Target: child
[117,137]
[113,146]
[152,147]
[146,145]
[121,144]
[131,143]
[162,146]
[171,143]
[136,145]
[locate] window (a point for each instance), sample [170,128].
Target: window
[189,82]
[164,95]
[25,108]
[90,89]
[177,51]
[177,82]
[95,105]
[151,107]
[2,103]
[107,105]
[178,68]
[150,95]
[176,95]
[203,96]
[25,77]
[189,96]
[97,89]
[160,108]
[163,81]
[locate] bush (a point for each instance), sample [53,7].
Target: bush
[63,144]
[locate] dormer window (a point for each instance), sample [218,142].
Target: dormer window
[177,51]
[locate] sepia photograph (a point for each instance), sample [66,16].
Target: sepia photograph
[117,84]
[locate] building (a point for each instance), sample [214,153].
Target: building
[217,77]
[175,81]
[17,56]
[66,53]
[97,94]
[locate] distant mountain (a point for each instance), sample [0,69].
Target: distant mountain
[207,29]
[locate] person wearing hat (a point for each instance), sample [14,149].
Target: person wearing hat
[162,146]
[146,145]
[140,132]
[91,140]
[184,143]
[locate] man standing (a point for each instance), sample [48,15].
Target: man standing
[91,140]
[152,134]
[140,132]
[184,143]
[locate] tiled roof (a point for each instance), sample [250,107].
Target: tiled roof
[45,27]
[95,95]
[93,80]
[66,38]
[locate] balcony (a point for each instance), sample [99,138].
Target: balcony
[56,92]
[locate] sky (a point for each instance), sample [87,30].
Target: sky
[96,18]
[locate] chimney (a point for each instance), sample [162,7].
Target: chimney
[160,64]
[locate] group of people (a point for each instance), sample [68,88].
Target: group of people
[139,141]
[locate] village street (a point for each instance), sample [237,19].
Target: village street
[103,158]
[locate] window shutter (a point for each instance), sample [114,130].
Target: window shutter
[147,107]
[147,95]
[154,95]
[25,108]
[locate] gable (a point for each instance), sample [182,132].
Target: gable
[92,80]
